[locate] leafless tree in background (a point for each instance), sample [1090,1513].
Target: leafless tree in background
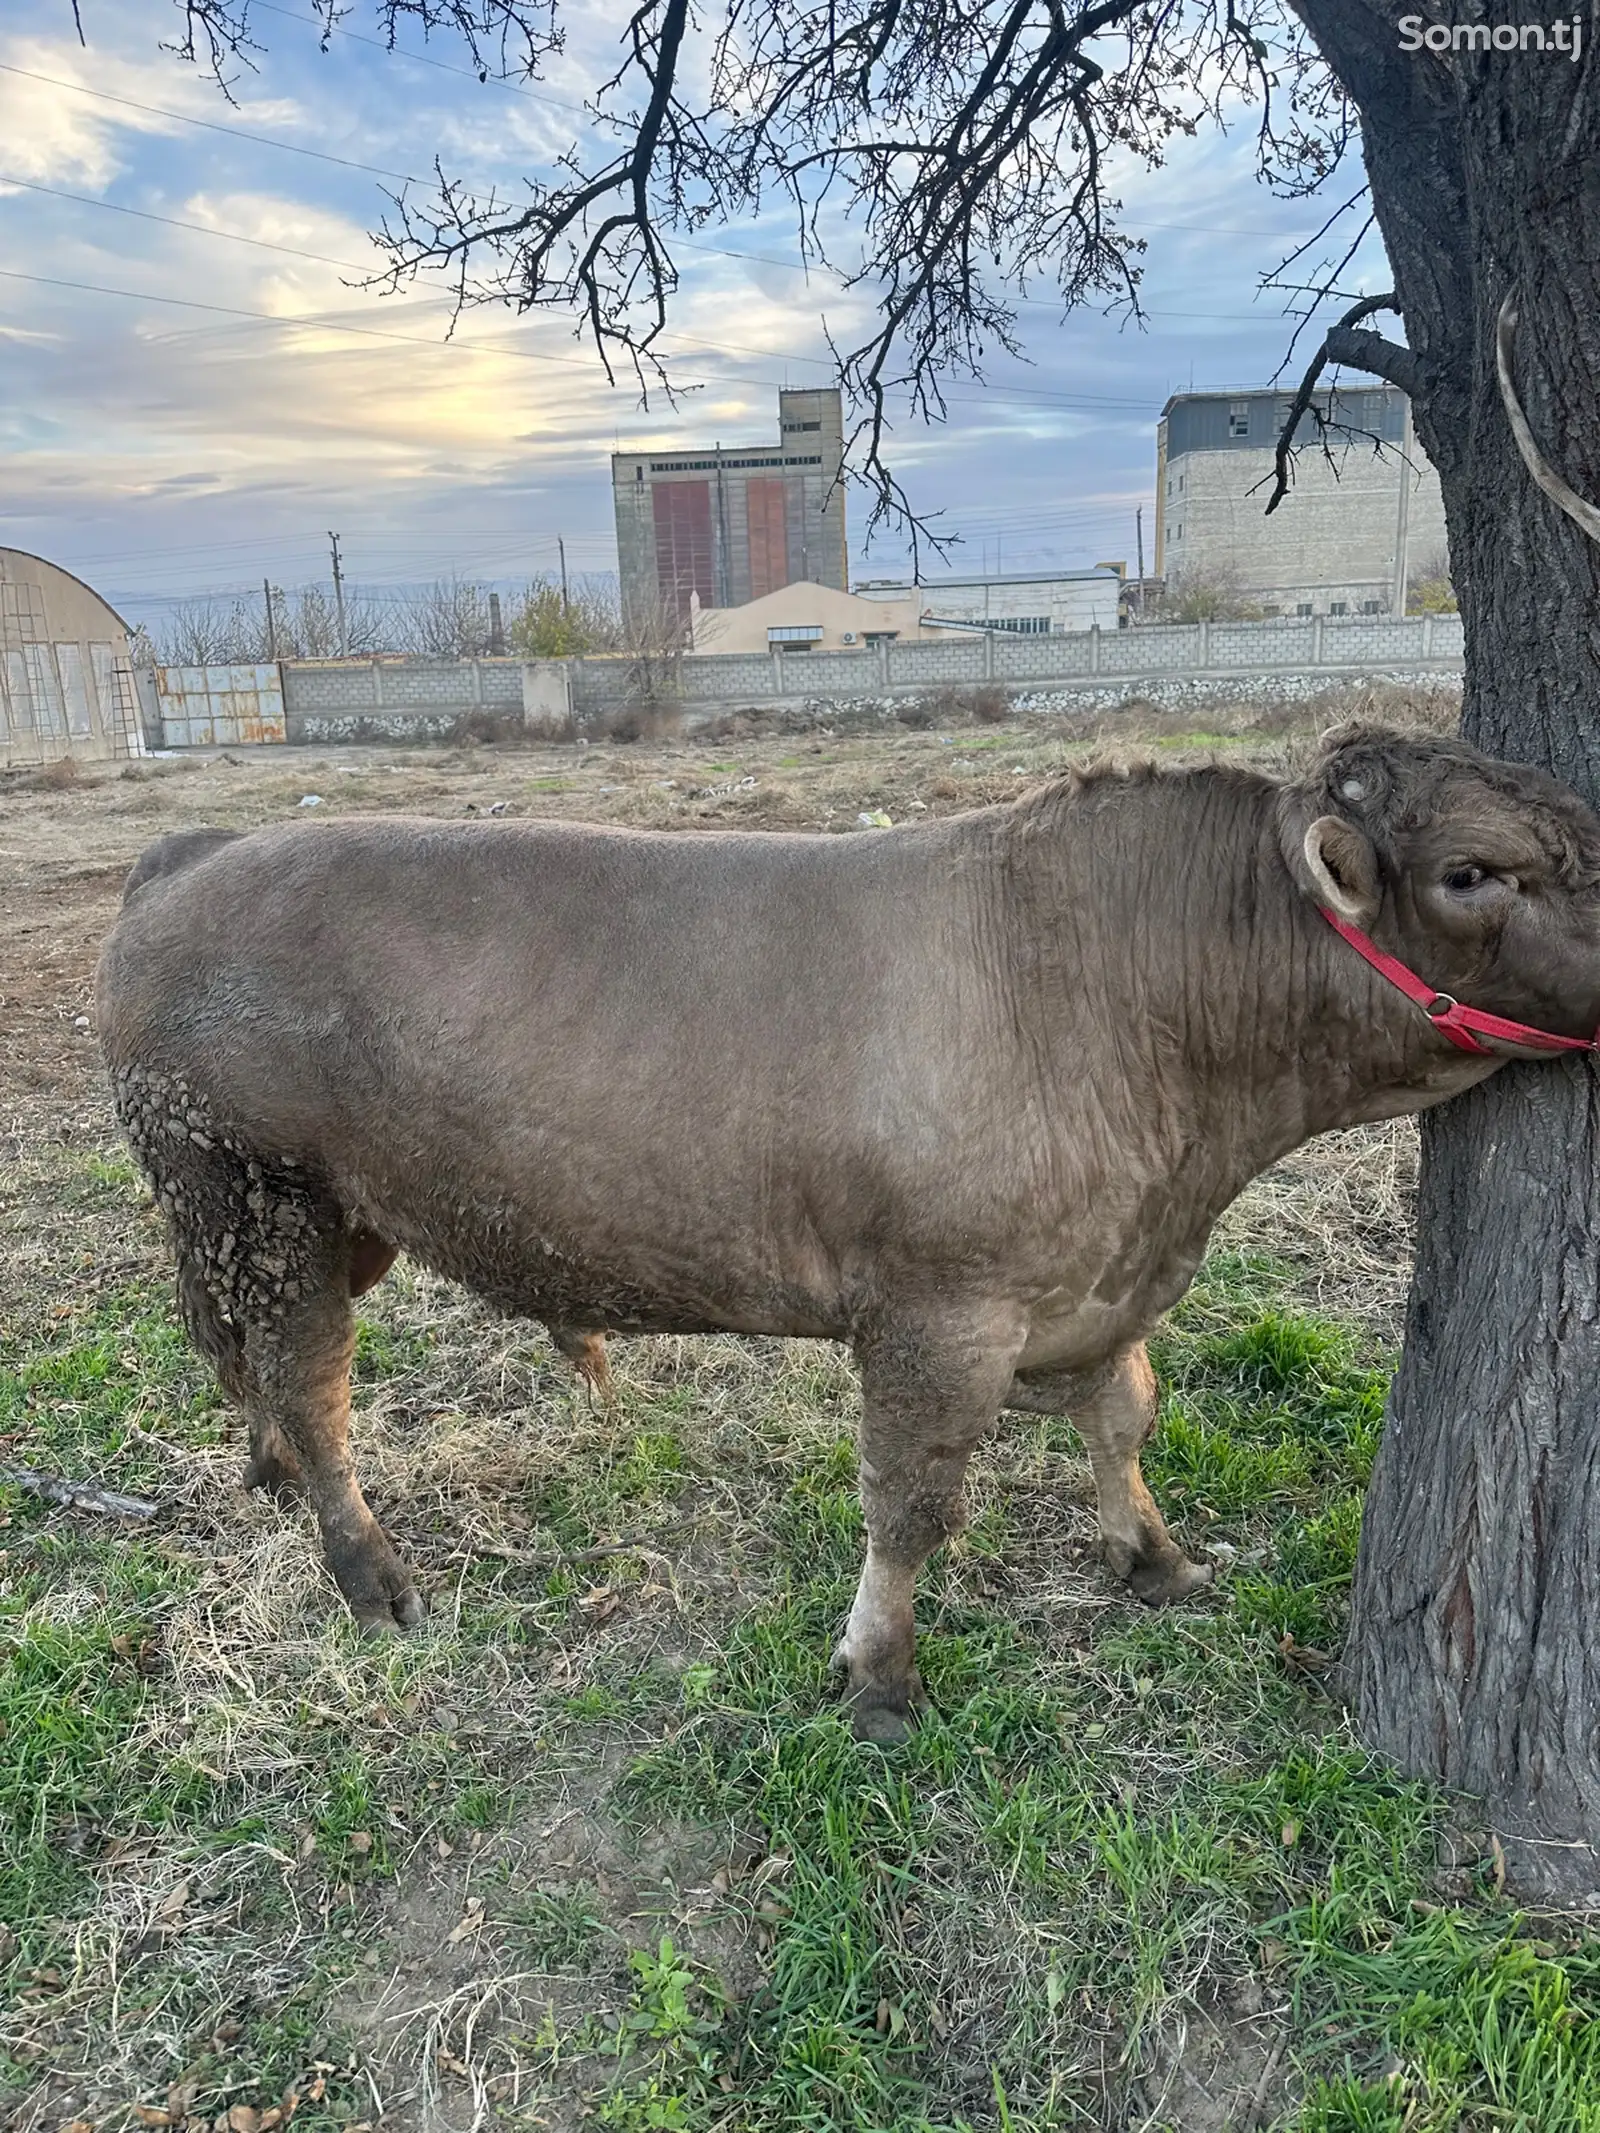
[1204,596]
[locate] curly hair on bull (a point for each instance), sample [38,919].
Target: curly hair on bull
[1390,781]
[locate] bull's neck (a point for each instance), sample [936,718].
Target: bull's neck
[1220,987]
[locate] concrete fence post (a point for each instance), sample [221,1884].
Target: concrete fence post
[882,650]
[477,681]
[1427,636]
[1203,659]
[988,655]
[1094,648]
[377,684]
[1316,640]
[777,670]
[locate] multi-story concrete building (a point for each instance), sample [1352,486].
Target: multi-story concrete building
[1347,539]
[733,523]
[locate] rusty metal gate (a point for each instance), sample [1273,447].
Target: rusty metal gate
[220,706]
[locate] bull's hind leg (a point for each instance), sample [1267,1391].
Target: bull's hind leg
[266,1269]
[297,1379]
[930,1393]
[1115,1413]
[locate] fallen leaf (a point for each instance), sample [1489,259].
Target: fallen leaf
[601,1602]
[1291,1833]
[1498,1854]
[174,1900]
[471,1922]
[244,2118]
[361,1841]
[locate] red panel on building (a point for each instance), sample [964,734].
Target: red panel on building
[766,502]
[685,562]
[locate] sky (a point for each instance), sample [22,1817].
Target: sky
[193,394]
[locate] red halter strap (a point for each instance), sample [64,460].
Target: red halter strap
[1462,1025]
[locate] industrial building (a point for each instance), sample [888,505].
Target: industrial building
[808,617]
[1349,537]
[1042,603]
[66,684]
[732,523]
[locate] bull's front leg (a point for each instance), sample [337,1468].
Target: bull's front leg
[1114,1409]
[932,1386]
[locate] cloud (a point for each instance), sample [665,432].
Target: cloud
[67,117]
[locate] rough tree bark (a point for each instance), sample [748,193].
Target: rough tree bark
[1474,1652]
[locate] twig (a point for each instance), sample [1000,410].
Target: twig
[77,1495]
[1258,2100]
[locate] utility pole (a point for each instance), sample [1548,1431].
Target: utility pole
[561,550]
[1138,534]
[338,597]
[272,627]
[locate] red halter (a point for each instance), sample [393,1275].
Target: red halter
[1462,1025]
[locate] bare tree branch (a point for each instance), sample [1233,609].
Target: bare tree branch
[940,158]
[1303,402]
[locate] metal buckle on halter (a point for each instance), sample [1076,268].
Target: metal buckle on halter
[1440,1005]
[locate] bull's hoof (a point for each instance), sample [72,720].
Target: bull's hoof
[379,1592]
[881,1711]
[883,1724]
[1167,1579]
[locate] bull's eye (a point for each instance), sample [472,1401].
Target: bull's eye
[1460,879]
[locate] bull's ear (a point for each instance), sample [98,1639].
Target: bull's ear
[1344,868]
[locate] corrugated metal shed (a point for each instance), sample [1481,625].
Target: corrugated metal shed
[220,706]
[66,686]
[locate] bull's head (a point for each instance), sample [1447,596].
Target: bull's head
[1483,877]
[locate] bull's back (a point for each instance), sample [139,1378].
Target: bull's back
[549,1033]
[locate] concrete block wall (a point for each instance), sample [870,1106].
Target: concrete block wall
[948,659]
[401,700]
[1290,644]
[394,699]
[1030,658]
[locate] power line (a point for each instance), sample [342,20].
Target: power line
[322,323]
[172,222]
[184,118]
[408,177]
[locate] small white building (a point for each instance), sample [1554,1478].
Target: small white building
[804,618]
[1021,603]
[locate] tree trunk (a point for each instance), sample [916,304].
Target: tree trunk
[1474,1649]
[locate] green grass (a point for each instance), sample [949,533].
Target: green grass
[1106,1813]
